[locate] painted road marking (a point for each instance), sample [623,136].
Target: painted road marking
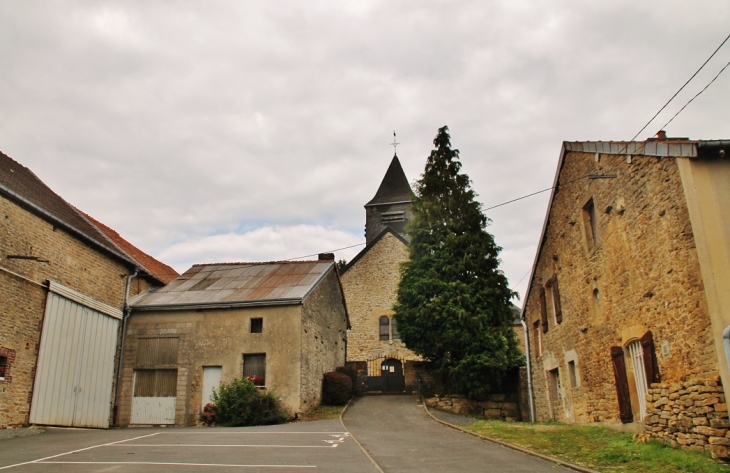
[225,465]
[75,451]
[223,445]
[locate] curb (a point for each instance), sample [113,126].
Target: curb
[572,466]
[377,467]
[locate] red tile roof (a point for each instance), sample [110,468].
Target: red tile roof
[156,268]
[21,185]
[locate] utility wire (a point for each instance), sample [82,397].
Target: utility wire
[698,94]
[681,88]
[330,251]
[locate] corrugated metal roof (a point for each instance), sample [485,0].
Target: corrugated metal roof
[238,284]
[677,148]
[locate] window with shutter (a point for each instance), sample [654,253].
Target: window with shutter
[651,366]
[543,310]
[622,385]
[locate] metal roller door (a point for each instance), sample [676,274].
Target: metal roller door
[73,383]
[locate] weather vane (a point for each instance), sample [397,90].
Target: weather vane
[394,144]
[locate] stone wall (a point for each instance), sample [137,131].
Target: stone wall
[371,286]
[692,415]
[643,275]
[72,263]
[324,338]
[497,406]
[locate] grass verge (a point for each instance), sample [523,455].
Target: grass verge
[598,448]
[321,413]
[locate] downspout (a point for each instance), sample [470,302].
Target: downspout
[529,371]
[127,311]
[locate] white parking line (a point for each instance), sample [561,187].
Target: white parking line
[76,451]
[226,465]
[175,445]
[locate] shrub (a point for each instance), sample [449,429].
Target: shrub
[351,372]
[209,413]
[241,403]
[336,388]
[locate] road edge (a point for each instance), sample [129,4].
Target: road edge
[375,464]
[572,466]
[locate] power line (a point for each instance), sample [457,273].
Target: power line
[681,88]
[330,251]
[698,94]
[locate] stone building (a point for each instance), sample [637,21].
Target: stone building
[370,281]
[63,288]
[628,308]
[284,323]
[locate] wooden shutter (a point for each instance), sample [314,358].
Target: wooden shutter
[543,311]
[622,385]
[384,327]
[651,367]
[556,300]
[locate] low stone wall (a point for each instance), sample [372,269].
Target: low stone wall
[692,415]
[497,406]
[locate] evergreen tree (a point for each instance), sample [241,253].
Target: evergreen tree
[453,305]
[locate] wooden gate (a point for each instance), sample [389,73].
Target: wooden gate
[386,375]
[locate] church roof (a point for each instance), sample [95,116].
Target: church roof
[394,188]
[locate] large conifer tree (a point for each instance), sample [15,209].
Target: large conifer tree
[453,304]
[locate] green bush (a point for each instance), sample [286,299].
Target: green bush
[241,403]
[351,373]
[336,388]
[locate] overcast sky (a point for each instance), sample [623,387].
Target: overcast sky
[257,130]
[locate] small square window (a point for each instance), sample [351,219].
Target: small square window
[257,325]
[3,366]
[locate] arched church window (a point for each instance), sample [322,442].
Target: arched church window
[384,325]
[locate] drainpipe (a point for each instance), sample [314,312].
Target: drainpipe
[125,317]
[529,371]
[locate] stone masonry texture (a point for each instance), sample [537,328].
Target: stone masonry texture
[644,275]
[71,263]
[692,415]
[371,287]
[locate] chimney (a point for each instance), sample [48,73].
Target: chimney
[661,135]
[326,257]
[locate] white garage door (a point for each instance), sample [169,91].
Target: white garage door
[73,383]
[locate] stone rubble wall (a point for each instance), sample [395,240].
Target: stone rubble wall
[692,415]
[497,406]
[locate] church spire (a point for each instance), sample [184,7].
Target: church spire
[391,206]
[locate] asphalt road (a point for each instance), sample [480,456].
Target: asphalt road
[394,430]
[400,437]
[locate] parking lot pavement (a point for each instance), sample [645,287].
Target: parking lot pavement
[401,437]
[322,446]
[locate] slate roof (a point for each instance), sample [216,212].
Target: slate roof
[21,185]
[238,284]
[395,186]
[155,268]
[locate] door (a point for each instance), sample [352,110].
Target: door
[75,370]
[155,396]
[388,377]
[211,380]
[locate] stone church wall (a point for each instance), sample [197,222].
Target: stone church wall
[370,287]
